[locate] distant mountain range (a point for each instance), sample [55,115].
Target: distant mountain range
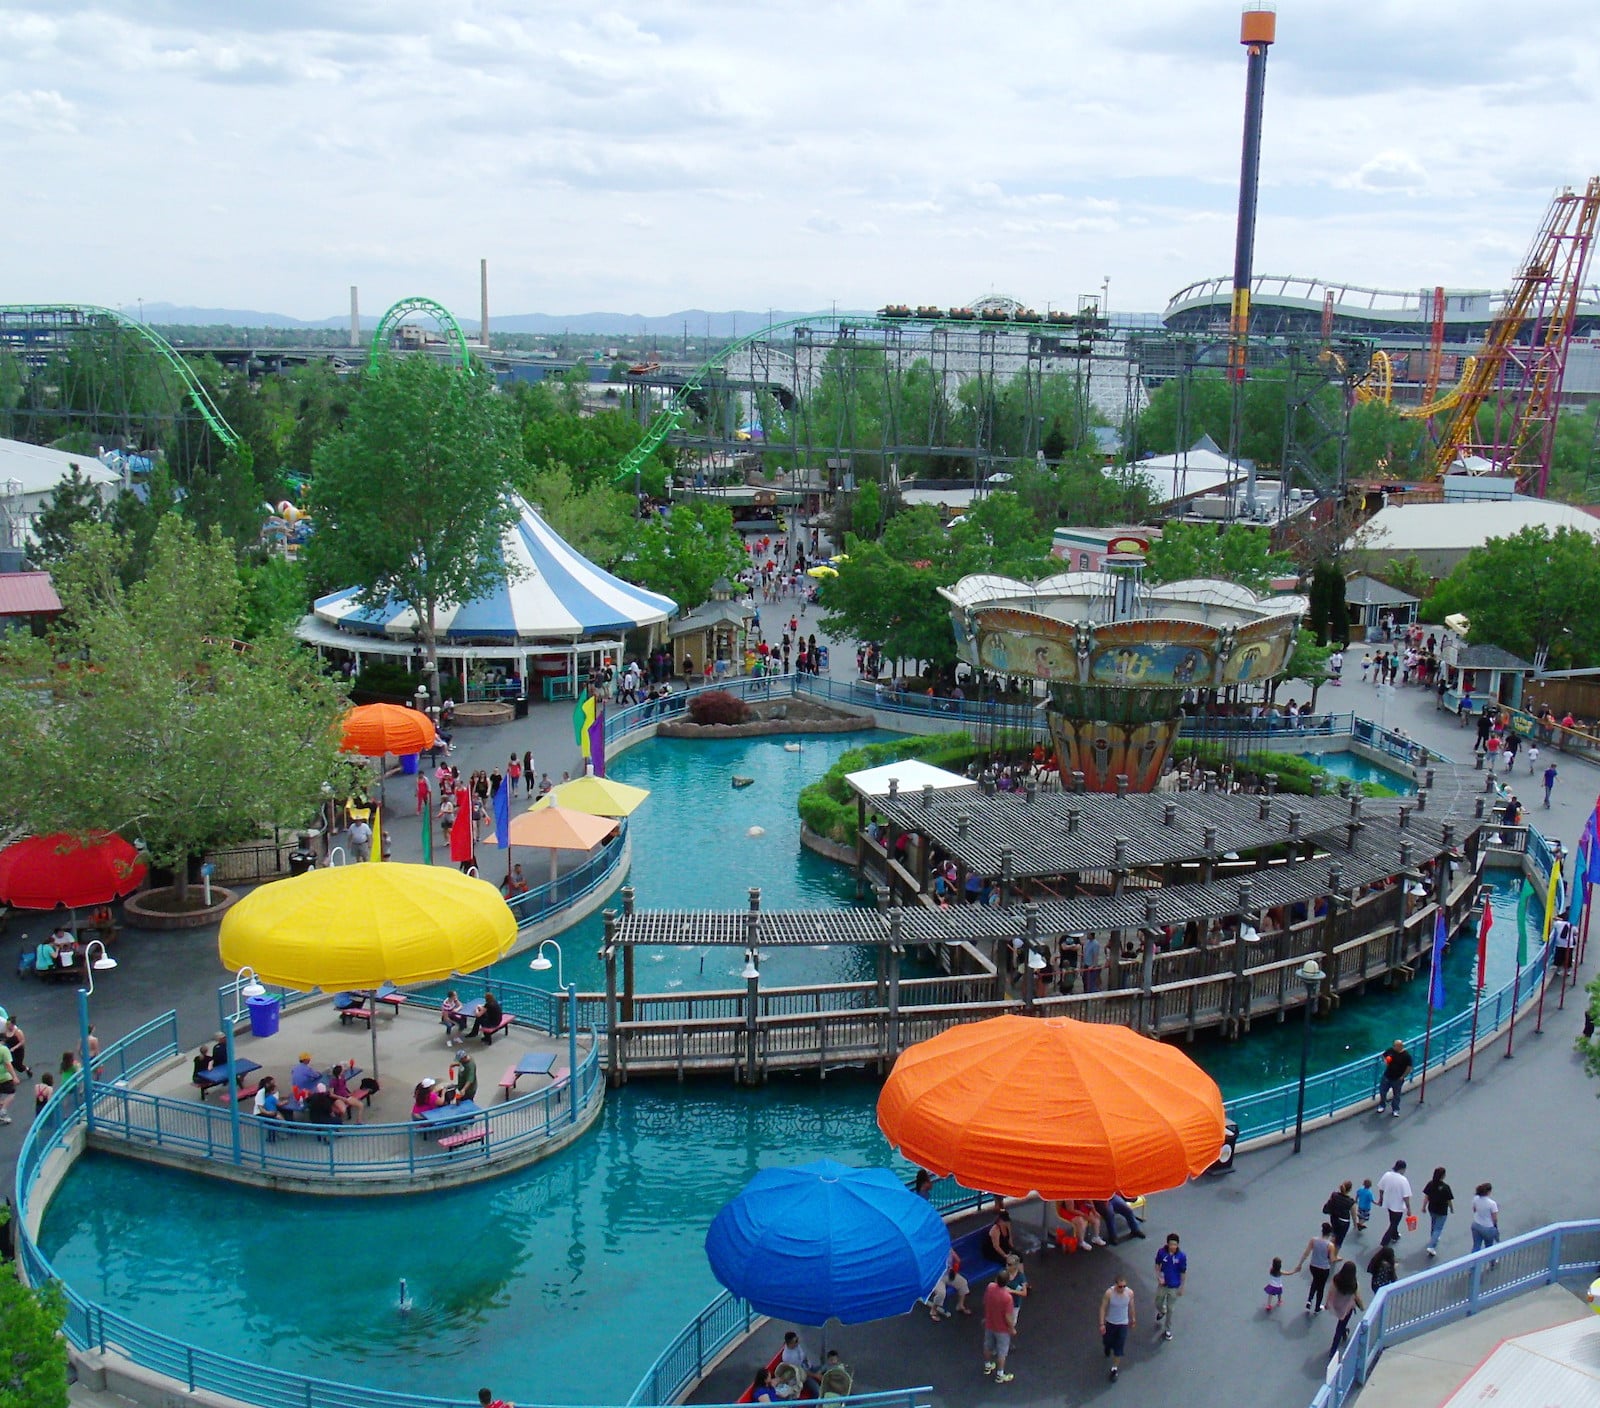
[700,323]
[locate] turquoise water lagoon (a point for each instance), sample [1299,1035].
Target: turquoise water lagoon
[561,1282]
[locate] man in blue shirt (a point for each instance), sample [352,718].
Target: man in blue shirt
[1172,1266]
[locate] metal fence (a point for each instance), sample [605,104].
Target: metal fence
[542,901]
[1444,1294]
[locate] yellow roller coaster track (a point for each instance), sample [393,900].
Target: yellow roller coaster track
[1449,401]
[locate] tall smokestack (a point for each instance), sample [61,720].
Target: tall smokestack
[1257,29]
[483,308]
[355,318]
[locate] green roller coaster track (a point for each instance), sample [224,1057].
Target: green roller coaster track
[193,388]
[403,310]
[671,415]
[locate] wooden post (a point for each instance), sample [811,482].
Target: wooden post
[613,1036]
[896,951]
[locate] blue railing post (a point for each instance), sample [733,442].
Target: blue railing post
[87,1077]
[572,1049]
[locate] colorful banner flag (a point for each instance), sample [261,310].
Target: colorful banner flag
[582,717]
[1525,903]
[377,833]
[427,832]
[1576,898]
[1441,936]
[461,830]
[1552,902]
[583,724]
[1484,925]
[502,815]
[597,740]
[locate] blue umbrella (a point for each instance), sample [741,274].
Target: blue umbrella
[823,1241]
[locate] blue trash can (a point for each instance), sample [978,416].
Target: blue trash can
[264,1013]
[408,764]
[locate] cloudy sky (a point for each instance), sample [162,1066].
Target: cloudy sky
[756,154]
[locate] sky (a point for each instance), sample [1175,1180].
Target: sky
[758,155]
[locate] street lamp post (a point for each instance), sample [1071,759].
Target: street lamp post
[91,966]
[541,964]
[241,991]
[1310,973]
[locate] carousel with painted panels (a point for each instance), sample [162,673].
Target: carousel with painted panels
[1123,663]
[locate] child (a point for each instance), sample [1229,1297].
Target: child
[1274,1286]
[1366,664]
[43,1091]
[1533,758]
[1364,1201]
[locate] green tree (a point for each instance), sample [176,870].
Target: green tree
[273,596]
[1328,618]
[682,554]
[410,497]
[1237,553]
[1532,591]
[33,1355]
[161,728]
[866,511]
[75,500]
[1309,662]
[598,520]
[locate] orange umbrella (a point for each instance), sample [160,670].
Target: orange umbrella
[1018,1105]
[375,729]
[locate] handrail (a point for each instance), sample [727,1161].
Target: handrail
[540,902]
[1444,1294]
[364,1152]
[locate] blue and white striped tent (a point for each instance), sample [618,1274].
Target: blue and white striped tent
[550,592]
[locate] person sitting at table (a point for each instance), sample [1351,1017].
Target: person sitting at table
[1000,1246]
[451,1014]
[321,1107]
[219,1052]
[425,1097]
[466,1076]
[347,1102]
[515,883]
[65,946]
[266,1105]
[305,1077]
[489,1015]
[103,924]
[202,1064]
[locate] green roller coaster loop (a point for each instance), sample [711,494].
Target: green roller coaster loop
[403,310]
[193,387]
[669,416]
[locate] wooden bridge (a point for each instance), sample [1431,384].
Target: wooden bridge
[1354,884]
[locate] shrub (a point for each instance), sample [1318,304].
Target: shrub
[717,706]
[382,680]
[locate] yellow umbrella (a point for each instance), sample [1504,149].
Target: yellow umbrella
[599,796]
[353,927]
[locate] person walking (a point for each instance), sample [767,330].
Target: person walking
[999,1325]
[1394,1197]
[1172,1267]
[1338,1210]
[1549,784]
[1118,1316]
[1440,1202]
[1396,1067]
[1485,1218]
[361,839]
[1381,1269]
[1344,1299]
[8,1084]
[1320,1252]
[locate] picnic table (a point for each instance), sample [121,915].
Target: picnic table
[225,1075]
[535,1063]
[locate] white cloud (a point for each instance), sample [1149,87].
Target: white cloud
[777,158]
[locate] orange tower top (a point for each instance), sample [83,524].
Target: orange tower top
[1259,24]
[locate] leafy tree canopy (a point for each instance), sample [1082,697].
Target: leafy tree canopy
[1532,590]
[33,1356]
[598,520]
[410,495]
[682,554]
[1236,553]
[158,725]
[75,500]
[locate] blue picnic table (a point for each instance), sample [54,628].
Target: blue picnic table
[224,1075]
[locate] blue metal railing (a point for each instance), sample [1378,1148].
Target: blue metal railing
[1444,1294]
[399,1151]
[542,901]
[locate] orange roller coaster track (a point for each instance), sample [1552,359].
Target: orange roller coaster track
[1517,373]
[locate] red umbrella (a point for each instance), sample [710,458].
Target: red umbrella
[462,833]
[42,872]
